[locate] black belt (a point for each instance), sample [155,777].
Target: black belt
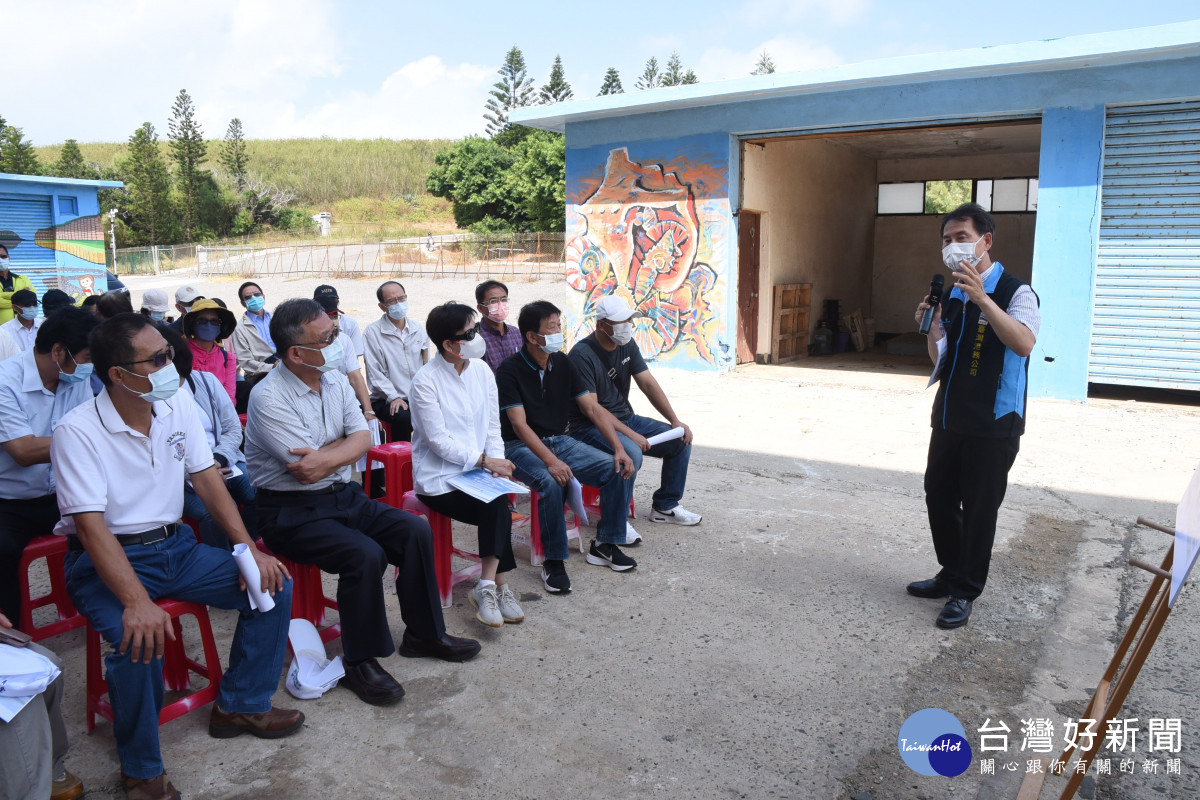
[152,536]
[332,488]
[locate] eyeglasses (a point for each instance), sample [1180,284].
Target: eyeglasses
[495,302]
[467,335]
[322,342]
[252,294]
[159,360]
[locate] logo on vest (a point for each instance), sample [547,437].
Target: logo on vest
[177,443]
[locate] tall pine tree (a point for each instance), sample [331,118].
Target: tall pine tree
[233,154]
[70,163]
[513,90]
[149,185]
[674,74]
[17,155]
[556,89]
[188,150]
[612,83]
[650,78]
[765,64]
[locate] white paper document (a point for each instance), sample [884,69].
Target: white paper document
[485,487]
[24,675]
[941,348]
[312,673]
[1187,536]
[233,472]
[248,567]
[376,438]
[666,436]
[575,501]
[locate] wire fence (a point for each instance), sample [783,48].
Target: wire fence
[529,256]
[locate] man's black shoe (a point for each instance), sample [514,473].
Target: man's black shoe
[372,683]
[934,587]
[447,648]
[955,614]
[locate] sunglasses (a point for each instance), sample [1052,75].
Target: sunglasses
[159,360]
[467,336]
[323,342]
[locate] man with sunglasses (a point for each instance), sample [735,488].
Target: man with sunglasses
[304,430]
[120,460]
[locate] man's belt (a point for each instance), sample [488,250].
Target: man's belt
[332,488]
[152,536]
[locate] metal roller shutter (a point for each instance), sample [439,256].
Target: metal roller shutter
[25,216]
[1146,322]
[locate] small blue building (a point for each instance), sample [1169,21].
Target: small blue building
[54,232]
[695,200]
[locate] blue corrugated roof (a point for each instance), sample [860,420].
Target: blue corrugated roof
[4,176]
[1128,46]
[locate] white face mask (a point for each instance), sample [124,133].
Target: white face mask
[4,263]
[472,349]
[956,252]
[554,343]
[622,332]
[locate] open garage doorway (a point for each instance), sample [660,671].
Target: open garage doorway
[857,216]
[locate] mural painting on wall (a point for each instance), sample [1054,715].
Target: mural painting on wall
[656,235]
[78,271]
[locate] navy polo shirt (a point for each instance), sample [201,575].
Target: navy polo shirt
[546,396]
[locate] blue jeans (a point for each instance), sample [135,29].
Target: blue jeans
[592,467]
[179,569]
[210,532]
[674,455]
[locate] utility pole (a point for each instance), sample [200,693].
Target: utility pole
[112,233]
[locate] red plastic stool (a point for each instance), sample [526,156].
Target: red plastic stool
[54,550]
[537,553]
[396,458]
[443,549]
[591,503]
[174,661]
[308,595]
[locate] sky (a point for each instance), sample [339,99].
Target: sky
[96,71]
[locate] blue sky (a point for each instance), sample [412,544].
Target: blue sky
[95,71]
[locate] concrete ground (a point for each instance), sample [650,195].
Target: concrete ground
[770,652]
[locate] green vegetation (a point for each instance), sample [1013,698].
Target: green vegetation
[942,197]
[612,83]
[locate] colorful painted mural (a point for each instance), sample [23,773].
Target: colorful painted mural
[656,232]
[69,255]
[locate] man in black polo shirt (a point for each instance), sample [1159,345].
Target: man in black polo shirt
[535,389]
[604,363]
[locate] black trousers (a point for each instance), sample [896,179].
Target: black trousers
[346,534]
[21,521]
[400,422]
[965,481]
[494,520]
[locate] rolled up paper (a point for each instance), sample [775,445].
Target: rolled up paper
[666,436]
[248,567]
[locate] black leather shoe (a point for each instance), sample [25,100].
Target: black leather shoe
[447,648]
[955,614]
[373,684]
[934,587]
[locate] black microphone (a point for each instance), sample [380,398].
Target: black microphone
[935,299]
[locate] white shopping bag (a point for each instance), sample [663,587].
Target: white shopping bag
[311,674]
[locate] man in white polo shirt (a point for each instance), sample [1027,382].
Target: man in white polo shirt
[23,327]
[120,460]
[396,347]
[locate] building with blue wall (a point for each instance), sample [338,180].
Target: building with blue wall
[54,232]
[1086,149]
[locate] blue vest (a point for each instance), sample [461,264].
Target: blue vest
[981,384]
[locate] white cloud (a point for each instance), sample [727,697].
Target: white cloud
[789,55]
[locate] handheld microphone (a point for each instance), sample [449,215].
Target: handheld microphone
[935,298]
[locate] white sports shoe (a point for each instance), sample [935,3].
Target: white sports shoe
[676,516]
[509,610]
[632,537]
[487,604]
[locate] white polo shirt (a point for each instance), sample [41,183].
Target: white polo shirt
[104,465]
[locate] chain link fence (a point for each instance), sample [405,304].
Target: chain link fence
[529,256]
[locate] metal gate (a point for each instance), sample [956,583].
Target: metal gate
[1146,321]
[27,228]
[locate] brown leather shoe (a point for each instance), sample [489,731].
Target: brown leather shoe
[68,788]
[149,788]
[274,724]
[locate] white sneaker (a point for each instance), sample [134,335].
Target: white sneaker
[509,610]
[632,537]
[676,516]
[487,604]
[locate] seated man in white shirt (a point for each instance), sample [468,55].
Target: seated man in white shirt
[304,429]
[120,461]
[396,347]
[456,428]
[352,345]
[23,327]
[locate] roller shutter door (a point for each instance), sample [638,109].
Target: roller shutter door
[26,217]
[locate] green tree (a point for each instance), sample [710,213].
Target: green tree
[17,156]
[233,154]
[650,78]
[149,185]
[942,197]
[612,83]
[765,64]
[689,77]
[556,89]
[513,90]
[675,75]
[188,150]
[537,182]
[70,163]
[471,174]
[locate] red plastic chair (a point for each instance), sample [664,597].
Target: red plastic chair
[537,553]
[175,663]
[308,595]
[396,458]
[242,417]
[54,550]
[444,550]
[591,503]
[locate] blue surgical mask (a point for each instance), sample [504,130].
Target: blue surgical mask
[4,263]
[398,310]
[206,331]
[163,384]
[29,313]
[256,303]
[82,372]
[554,343]
[333,355]
[158,316]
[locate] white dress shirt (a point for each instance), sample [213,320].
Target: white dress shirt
[8,347]
[393,357]
[22,336]
[455,418]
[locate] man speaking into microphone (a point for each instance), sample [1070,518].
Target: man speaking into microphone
[979,339]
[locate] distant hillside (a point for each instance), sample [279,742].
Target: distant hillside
[320,171]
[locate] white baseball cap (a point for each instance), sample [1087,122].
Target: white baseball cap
[613,308]
[155,300]
[186,295]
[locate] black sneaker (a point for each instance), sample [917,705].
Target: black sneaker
[609,555]
[554,577]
